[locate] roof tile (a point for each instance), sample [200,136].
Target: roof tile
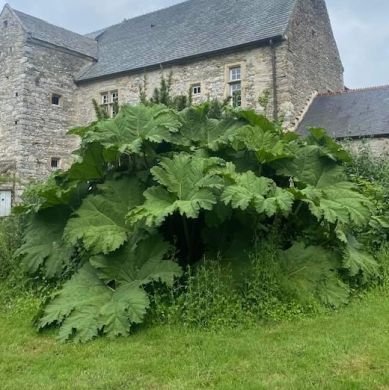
[353,113]
[188,29]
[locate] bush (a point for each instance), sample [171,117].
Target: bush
[371,173]
[214,295]
[154,191]
[13,281]
[10,240]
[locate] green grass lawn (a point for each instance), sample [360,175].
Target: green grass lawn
[344,350]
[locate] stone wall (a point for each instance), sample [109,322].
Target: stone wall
[211,72]
[12,91]
[49,71]
[32,130]
[309,60]
[379,146]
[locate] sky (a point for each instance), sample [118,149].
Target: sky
[361,28]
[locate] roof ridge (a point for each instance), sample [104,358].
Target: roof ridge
[51,24]
[125,20]
[352,90]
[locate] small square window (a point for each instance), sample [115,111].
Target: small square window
[54,163]
[55,100]
[235,74]
[196,89]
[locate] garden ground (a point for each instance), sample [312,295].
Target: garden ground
[344,350]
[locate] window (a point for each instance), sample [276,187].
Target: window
[5,23]
[235,73]
[196,89]
[104,98]
[55,100]
[110,102]
[235,86]
[114,96]
[54,163]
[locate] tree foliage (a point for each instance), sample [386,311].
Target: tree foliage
[153,190]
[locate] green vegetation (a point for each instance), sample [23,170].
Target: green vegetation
[227,248]
[156,193]
[344,350]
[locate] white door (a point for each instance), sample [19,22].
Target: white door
[5,203]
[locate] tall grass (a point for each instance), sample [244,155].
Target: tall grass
[10,238]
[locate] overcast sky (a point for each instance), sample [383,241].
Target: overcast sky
[361,27]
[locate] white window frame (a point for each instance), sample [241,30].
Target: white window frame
[235,85]
[235,73]
[108,100]
[104,98]
[196,89]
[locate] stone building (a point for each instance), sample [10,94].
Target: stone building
[217,48]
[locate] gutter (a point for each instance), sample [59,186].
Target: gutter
[274,79]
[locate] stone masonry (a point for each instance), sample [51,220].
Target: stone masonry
[33,130]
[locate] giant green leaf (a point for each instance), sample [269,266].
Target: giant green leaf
[323,185]
[357,261]
[86,306]
[134,125]
[143,265]
[187,185]
[268,145]
[311,271]
[309,168]
[107,296]
[99,223]
[43,247]
[260,193]
[90,164]
[201,131]
[328,146]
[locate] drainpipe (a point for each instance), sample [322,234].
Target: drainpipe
[274,75]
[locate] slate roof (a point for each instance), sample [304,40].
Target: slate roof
[350,114]
[185,30]
[39,29]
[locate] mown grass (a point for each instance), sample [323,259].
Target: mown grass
[345,350]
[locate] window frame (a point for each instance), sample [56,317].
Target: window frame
[198,87]
[57,164]
[234,79]
[109,99]
[56,96]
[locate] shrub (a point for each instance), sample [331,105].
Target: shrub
[215,294]
[371,173]
[10,240]
[154,191]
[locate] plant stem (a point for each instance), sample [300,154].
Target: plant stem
[187,239]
